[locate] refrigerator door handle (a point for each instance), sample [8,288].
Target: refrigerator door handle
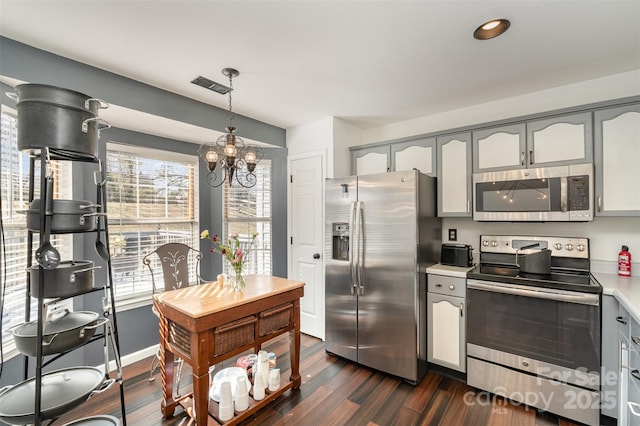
[352,244]
[360,242]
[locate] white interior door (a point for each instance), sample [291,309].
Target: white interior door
[305,232]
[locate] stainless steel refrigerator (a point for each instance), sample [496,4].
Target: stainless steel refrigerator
[381,232]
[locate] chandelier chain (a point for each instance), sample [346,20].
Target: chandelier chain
[230,113]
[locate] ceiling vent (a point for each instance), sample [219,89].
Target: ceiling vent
[211,85]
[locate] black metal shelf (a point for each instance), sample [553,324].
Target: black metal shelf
[110,327]
[65,155]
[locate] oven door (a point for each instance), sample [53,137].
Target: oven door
[543,331]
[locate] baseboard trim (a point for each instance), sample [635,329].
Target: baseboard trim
[133,358]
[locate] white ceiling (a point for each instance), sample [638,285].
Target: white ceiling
[370,63]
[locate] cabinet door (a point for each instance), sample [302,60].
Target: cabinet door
[416,154]
[610,357]
[560,140]
[446,331]
[499,148]
[617,156]
[454,175]
[374,159]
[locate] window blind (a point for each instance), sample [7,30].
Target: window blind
[14,183]
[152,199]
[248,210]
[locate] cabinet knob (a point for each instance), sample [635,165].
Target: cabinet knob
[635,339]
[621,320]
[438,285]
[451,287]
[316,255]
[636,374]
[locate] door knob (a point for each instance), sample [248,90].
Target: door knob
[316,255]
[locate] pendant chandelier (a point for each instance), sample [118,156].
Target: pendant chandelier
[229,158]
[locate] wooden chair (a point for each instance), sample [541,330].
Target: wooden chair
[176,260]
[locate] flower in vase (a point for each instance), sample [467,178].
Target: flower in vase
[231,250]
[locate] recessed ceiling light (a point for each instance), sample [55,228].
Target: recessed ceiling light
[491,29]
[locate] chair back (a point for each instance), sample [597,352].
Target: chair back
[175,259]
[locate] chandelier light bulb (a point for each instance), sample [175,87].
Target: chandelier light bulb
[250,157]
[211,156]
[230,150]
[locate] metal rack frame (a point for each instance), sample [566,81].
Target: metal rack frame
[110,327]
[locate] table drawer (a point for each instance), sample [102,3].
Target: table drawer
[233,335]
[275,319]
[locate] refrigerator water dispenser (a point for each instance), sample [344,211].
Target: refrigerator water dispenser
[340,241]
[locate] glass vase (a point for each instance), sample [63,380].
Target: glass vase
[237,280]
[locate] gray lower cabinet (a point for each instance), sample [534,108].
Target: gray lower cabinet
[446,316]
[629,378]
[610,357]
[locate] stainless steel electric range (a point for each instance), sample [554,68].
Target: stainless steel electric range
[535,338]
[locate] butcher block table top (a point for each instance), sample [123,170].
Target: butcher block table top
[206,299]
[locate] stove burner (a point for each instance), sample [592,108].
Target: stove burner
[558,279]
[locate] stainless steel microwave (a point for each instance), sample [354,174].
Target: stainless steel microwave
[561,194]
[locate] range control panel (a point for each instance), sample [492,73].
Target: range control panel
[559,246]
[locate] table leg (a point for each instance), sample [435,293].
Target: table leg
[294,346]
[201,398]
[167,359]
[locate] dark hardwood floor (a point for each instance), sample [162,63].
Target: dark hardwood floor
[333,392]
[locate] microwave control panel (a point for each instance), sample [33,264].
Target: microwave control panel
[578,193]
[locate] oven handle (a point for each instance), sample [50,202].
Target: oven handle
[537,292]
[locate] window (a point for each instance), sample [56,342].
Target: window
[14,182]
[151,200]
[248,210]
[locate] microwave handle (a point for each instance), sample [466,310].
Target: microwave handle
[563,194]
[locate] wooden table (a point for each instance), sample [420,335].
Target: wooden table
[208,323]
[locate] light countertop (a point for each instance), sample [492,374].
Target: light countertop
[451,271]
[625,289]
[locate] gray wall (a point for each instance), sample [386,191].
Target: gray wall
[33,65]
[138,328]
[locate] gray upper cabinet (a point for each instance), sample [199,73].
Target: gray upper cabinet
[369,160]
[617,156]
[415,154]
[454,175]
[560,140]
[499,148]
